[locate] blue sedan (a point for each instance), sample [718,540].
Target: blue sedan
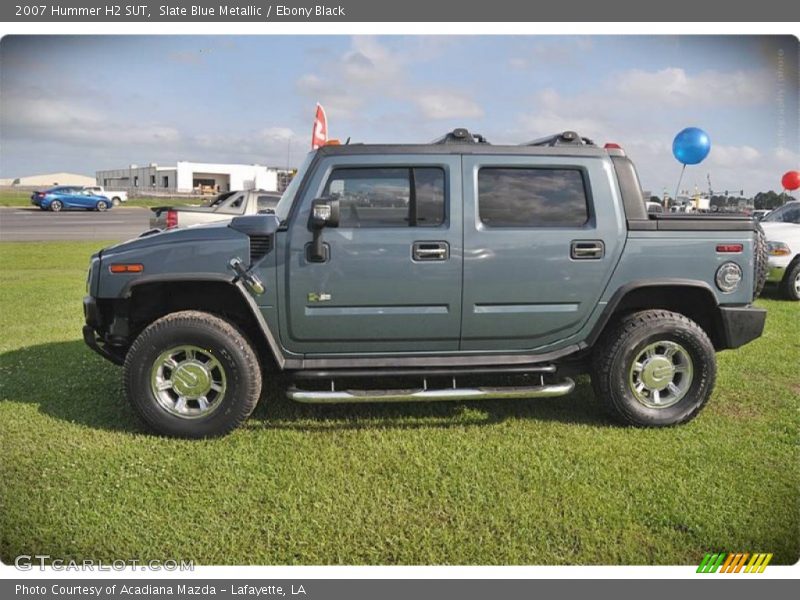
[65,197]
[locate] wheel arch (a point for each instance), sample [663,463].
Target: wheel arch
[148,299]
[691,298]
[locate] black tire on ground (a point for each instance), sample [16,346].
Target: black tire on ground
[56,206]
[790,284]
[614,357]
[102,205]
[228,349]
[115,201]
[760,258]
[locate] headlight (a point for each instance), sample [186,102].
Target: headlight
[778,249]
[728,277]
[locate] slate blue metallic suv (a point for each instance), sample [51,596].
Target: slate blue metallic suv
[439,266]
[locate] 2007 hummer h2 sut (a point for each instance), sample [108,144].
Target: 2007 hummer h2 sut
[432,265]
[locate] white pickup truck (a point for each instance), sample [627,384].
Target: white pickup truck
[782,228]
[116,197]
[221,208]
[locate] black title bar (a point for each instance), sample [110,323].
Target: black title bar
[400,11]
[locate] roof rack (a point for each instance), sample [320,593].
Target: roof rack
[566,138]
[460,135]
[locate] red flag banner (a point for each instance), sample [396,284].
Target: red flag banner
[320,134]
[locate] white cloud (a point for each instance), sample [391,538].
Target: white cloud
[447,105]
[186,57]
[276,134]
[562,52]
[629,111]
[675,87]
[786,158]
[339,99]
[370,73]
[733,156]
[369,63]
[28,122]
[74,122]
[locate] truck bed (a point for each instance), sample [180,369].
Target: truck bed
[692,222]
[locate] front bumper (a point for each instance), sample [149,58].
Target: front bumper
[776,268]
[90,332]
[741,324]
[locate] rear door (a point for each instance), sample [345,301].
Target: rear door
[541,238]
[392,280]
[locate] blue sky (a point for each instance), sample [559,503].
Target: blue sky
[92,102]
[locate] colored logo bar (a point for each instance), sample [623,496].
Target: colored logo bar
[737,562]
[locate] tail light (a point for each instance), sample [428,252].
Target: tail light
[172,219]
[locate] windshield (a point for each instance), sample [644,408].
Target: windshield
[220,199]
[285,203]
[788,213]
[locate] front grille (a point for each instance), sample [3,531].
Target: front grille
[260,245]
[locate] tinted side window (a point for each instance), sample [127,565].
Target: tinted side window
[532,197]
[388,197]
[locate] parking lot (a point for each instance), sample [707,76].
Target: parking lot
[19,224]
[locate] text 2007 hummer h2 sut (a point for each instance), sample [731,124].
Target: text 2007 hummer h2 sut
[434,269]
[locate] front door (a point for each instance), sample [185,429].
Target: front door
[392,278]
[542,235]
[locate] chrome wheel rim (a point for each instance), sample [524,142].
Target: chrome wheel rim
[55,206]
[797,284]
[101,206]
[661,374]
[188,381]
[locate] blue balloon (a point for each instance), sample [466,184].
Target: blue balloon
[691,146]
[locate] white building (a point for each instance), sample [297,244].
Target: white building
[49,179]
[186,177]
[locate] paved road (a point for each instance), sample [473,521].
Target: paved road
[32,224]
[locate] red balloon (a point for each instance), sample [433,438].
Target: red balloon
[791,180]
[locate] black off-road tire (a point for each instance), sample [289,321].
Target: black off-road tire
[788,285]
[214,335]
[760,258]
[614,355]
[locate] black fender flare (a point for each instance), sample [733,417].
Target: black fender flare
[632,286]
[234,282]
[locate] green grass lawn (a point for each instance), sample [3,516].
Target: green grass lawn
[499,482]
[23,198]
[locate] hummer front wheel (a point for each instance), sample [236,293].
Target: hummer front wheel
[192,374]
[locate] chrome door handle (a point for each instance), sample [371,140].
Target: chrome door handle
[426,251]
[587,249]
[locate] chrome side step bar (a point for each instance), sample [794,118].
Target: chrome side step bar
[426,395]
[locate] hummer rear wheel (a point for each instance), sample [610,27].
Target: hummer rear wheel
[655,368]
[192,374]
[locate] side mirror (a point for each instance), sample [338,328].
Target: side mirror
[324,213]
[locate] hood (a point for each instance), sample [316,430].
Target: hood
[781,232]
[210,232]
